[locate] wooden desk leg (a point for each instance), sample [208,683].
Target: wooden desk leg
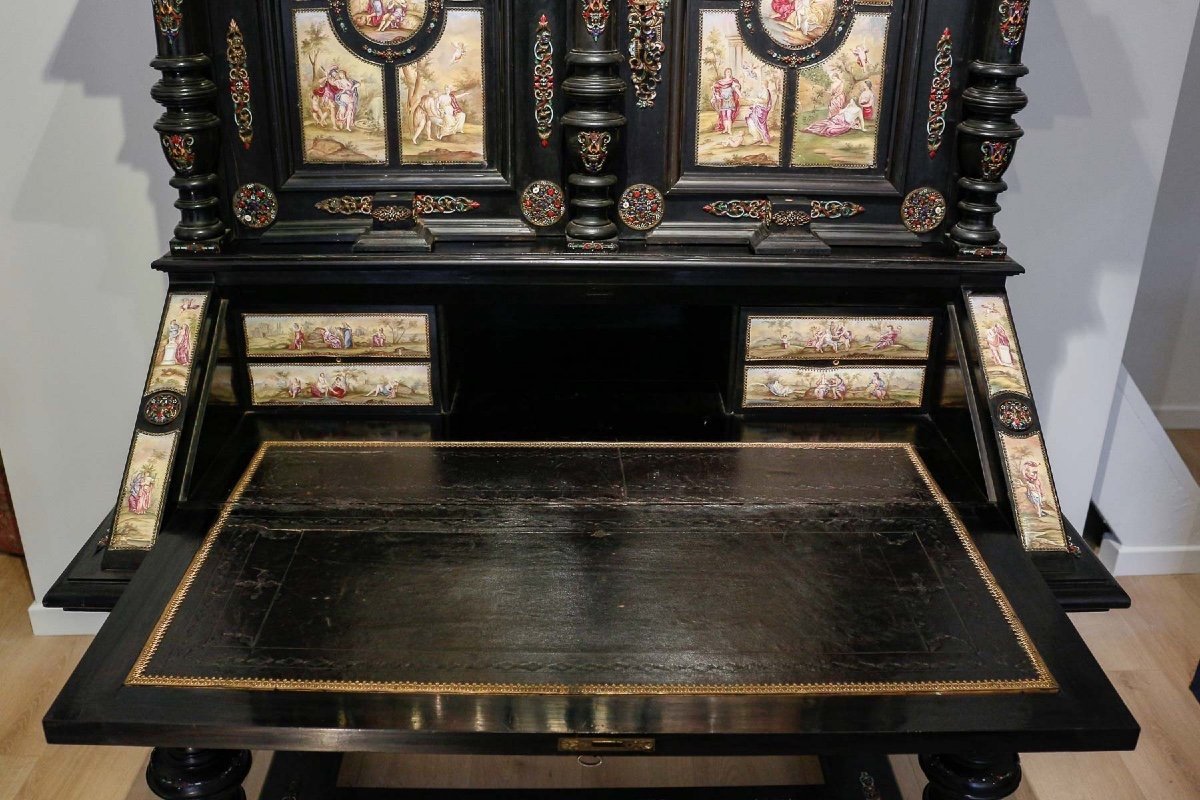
[186,773]
[977,776]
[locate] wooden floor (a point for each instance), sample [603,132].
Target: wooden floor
[1150,652]
[1187,442]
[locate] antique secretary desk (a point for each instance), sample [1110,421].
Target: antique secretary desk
[588,377]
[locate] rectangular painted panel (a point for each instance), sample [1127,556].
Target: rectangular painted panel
[337,335]
[147,474]
[834,387]
[826,337]
[341,384]
[1031,486]
[174,351]
[998,349]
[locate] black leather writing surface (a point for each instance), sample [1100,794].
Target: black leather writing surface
[775,568]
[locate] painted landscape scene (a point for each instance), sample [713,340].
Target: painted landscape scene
[838,101]
[388,21]
[1034,498]
[809,338]
[341,384]
[739,99]
[442,108]
[801,387]
[379,336]
[998,345]
[341,97]
[140,504]
[171,365]
[796,24]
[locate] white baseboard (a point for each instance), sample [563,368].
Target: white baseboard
[1129,560]
[56,622]
[1179,416]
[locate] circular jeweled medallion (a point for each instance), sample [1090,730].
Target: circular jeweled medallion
[1015,414]
[542,203]
[641,207]
[923,210]
[161,408]
[254,205]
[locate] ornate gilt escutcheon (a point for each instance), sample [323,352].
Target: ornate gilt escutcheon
[239,83]
[595,15]
[593,148]
[543,81]
[646,48]
[939,93]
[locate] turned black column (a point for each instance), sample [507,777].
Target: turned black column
[188,131]
[987,134]
[971,777]
[185,773]
[592,125]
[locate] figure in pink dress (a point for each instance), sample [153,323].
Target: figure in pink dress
[888,339]
[297,337]
[783,9]
[183,346]
[726,99]
[760,112]
[1000,346]
[141,490]
[378,339]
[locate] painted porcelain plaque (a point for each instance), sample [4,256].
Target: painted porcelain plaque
[341,384]
[1035,501]
[441,96]
[823,338]
[815,387]
[333,335]
[174,352]
[139,509]
[998,348]
[796,24]
[388,21]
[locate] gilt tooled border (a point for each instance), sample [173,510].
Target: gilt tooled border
[1043,682]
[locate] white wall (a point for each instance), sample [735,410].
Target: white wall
[1161,354]
[1102,88]
[84,207]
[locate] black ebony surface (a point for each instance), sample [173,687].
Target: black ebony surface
[591,569]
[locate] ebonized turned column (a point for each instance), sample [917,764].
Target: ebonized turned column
[987,134]
[592,125]
[989,776]
[186,773]
[188,130]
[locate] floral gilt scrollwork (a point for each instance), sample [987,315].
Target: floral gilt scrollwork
[646,48]
[593,148]
[422,204]
[995,159]
[766,211]
[239,83]
[442,204]
[178,148]
[939,93]
[169,16]
[1013,14]
[543,81]
[595,16]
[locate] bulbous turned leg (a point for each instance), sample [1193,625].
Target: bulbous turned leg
[978,776]
[186,773]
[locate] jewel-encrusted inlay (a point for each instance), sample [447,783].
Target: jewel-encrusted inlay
[239,83]
[162,408]
[939,93]
[923,210]
[169,16]
[595,15]
[1013,14]
[593,148]
[255,206]
[543,81]
[646,48]
[738,209]
[424,204]
[347,204]
[179,151]
[543,203]
[784,216]
[641,207]
[1015,414]
[995,159]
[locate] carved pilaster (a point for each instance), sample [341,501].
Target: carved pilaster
[592,127]
[188,130]
[987,134]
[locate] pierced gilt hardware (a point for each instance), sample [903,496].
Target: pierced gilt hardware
[347,204]
[543,81]
[595,17]
[255,206]
[939,93]
[422,204]
[442,204]
[543,203]
[646,48]
[641,207]
[593,147]
[582,744]
[787,217]
[923,210]
[239,83]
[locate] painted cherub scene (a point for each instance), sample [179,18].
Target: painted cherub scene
[141,497]
[175,350]
[1035,503]
[341,97]
[998,346]
[838,101]
[801,338]
[397,335]
[388,21]
[338,384]
[792,387]
[739,99]
[442,119]
[796,24]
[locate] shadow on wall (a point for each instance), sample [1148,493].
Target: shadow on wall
[1161,352]
[1082,186]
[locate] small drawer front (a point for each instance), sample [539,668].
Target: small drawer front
[820,338]
[388,384]
[875,386]
[334,336]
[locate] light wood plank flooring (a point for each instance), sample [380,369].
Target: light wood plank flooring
[1149,652]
